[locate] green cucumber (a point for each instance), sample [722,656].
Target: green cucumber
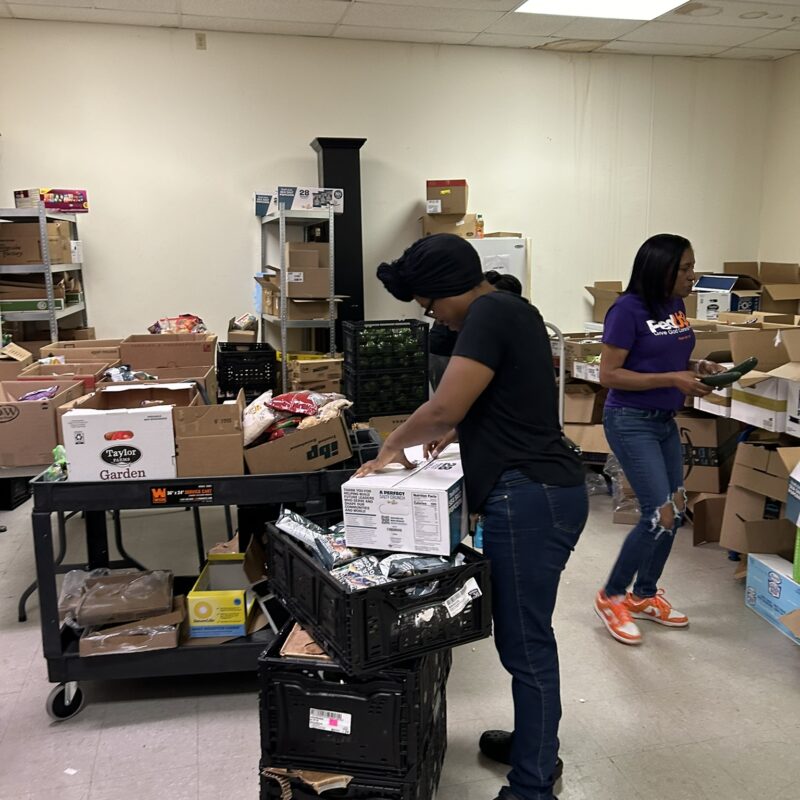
[745,366]
[721,379]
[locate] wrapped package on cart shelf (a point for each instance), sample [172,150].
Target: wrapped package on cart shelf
[119,598]
[73,589]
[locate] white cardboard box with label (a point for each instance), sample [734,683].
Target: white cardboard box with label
[408,511]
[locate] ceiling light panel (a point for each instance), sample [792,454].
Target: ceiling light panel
[601,9]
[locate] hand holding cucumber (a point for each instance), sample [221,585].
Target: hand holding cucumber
[731,375]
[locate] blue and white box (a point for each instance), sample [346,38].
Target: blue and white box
[773,594]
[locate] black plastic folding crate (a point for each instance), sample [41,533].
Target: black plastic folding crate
[365,786]
[316,716]
[396,392]
[246,366]
[14,492]
[381,626]
[376,346]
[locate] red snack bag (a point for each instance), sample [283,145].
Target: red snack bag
[306,403]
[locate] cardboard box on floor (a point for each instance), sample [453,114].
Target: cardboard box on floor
[301,451]
[465,226]
[384,511]
[590,438]
[13,360]
[773,594]
[84,350]
[20,243]
[755,506]
[709,446]
[760,397]
[605,294]
[88,372]
[111,436]
[583,404]
[28,427]
[144,351]
[447,197]
[204,376]
[707,511]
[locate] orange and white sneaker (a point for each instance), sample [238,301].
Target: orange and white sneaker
[658,609]
[617,618]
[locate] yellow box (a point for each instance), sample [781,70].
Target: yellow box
[218,602]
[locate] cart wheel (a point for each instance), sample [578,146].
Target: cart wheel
[58,707]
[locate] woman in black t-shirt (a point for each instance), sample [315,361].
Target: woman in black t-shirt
[499,395]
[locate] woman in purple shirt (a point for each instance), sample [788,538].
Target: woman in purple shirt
[647,347]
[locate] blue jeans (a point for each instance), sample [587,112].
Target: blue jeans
[529,532]
[648,447]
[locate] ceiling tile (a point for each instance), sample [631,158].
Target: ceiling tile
[472,5]
[530,24]
[418,18]
[57,3]
[676,33]
[509,40]
[727,12]
[756,53]
[158,6]
[65,14]
[603,29]
[234,25]
[294,11]
[656,49]
[402,35]
[779,40]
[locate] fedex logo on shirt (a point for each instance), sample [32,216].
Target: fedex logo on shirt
[674,323]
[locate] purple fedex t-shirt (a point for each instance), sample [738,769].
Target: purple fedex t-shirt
[661,344]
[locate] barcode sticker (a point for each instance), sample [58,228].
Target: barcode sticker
[296,277]
[332,721]
[459,600]
[434,207]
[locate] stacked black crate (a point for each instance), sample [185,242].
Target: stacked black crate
[385,367]
[251,367]
[375,708]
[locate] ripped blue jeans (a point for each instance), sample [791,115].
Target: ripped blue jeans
[648,447]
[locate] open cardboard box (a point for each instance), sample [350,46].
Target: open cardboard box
[204,376]
[707,511]
[106,350]
[28,427]
[605,294]
[709,446]
[89,372]
[13,360]
[781,283]
[716,294]
[583,404]
[144,351]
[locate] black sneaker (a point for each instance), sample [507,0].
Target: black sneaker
[496,745]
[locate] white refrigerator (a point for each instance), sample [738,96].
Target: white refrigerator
[507,255]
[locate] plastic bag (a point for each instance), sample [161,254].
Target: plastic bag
[40,394]
[185,323]
[406,565]
[73,589]
[124,598]
[624,500]
[124,373]
[360,574]
[595,483]
[258,416]
[328,412]
[305,402]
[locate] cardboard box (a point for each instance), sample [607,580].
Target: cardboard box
[709,446]
[320,369]
[447,197]
[205,377]
[707,511]
[158,632]
[84,350]
[242,337]
[124,597]
[714,294]
[298,198]
[717,403]
[110,436]
[13,360]
[749,268]
[408,511]
[88,372]
[209,439]
[302,451]
[218,604]
[590,438]
[71,201]
[332,385]
[586,372]
[580,348]
[386,425]
[301,283]
[145,351]
[28,427]
[781,287]
[773,594]
[20,243]
[78,334]
[760,397]
[755,507]
[790,374]
[605,294]
[465,225]
[583,404]
[297,309]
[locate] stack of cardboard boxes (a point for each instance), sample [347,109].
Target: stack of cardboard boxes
[446,210]
[317,375]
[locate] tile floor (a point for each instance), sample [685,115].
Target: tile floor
[708,713]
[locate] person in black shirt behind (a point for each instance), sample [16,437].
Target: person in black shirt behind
[499,393]
[442,340]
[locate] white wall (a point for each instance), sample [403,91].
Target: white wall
[780,231]
[588,155]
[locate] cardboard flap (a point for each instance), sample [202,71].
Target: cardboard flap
[791,341]
[778,272]
[792,621]
[766,345]
[13,352]
[741,268]
[605,288]
[783,291]
[789,372]
[783,461]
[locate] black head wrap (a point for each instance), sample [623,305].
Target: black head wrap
[441,265]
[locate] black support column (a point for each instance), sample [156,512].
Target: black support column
[339,167]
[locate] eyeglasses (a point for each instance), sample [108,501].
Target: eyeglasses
[429,310]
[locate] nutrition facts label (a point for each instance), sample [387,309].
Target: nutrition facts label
[427,529]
